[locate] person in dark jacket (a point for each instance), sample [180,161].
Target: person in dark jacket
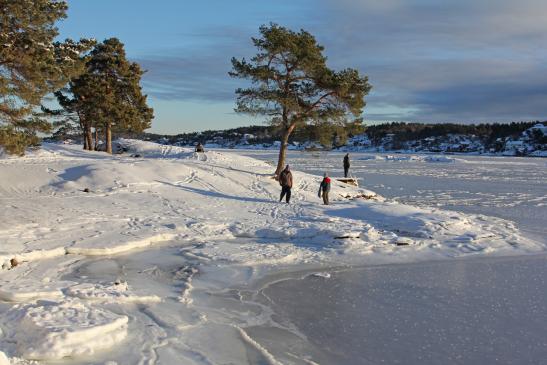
[285,180]
[346,164]
[324,187]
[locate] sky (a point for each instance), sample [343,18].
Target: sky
[462,61]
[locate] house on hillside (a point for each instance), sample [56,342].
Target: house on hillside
[515,148]
[387,141]
[539,127]
[359,141]
[163,140]
[247,138]
[537,133]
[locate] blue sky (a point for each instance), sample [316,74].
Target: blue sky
[428,60]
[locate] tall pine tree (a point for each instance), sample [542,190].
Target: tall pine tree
[108,95]
[292,84]
[32,65]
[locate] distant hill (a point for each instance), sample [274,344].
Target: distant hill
[517,138]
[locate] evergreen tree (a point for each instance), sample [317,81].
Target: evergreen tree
[75,115]
[107,96]
[293,86]
[31,66]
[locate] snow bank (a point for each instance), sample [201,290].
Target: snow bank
[371,157]
[439,159]
[419,158]
[153,150]
[402,158]
[25,290]
[52,331]
[117,292]
[94,249]
[3,358]
[539,153]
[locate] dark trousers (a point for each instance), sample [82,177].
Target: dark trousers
[285,190]
[346,169]
[326,197]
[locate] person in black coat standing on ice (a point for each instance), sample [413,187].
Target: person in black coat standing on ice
[285,180]
[346,164]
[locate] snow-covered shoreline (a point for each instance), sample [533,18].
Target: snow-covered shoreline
[217,213]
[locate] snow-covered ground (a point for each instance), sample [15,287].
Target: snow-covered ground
[511,188]
[117,259]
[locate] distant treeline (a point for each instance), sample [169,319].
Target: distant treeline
[402,132]
[488,133]
[263,134]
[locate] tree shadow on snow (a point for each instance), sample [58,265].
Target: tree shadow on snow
[73,174]
[217,194]
[242,171]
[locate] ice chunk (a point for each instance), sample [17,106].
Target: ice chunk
[117,292]
[51,331]
[30,290]
[324,275]
[3,359]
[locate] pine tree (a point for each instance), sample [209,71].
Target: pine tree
[32,64]
[292,84]
[107,96]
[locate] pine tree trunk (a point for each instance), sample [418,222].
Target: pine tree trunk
[96,139]
[88,137]
[83,126]
[283,150]
[84,136]
[108,137]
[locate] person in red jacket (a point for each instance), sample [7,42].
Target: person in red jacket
[325,188]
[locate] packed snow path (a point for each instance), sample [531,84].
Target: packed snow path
[174,213]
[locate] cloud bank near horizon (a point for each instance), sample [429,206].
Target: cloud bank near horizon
[459,61]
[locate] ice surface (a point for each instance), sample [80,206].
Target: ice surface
[463,311]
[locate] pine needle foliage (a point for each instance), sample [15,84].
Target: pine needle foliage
[292,85]
[107,96]
[32,64]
